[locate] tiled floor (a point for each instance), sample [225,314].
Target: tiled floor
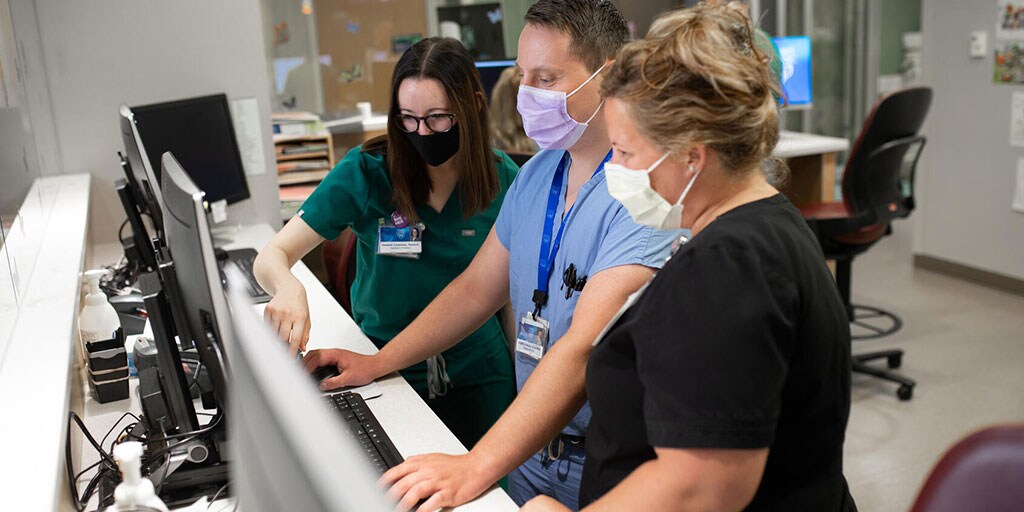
[965,347]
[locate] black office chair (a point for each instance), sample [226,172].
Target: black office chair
[877,189]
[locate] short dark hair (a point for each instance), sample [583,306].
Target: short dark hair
[596,28]
[448,62]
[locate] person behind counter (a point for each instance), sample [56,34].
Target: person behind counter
[420,201]
[506,123]
[726,384]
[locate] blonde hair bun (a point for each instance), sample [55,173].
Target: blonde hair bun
[699,77]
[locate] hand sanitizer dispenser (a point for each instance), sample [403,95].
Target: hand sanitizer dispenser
[134,492]
[98,319]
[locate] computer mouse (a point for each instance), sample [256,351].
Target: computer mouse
[325,372]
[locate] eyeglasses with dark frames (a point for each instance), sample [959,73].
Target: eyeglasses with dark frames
[438,123]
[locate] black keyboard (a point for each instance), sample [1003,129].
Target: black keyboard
[365,430]
[243,260]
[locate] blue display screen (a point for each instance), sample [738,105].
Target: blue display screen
[796,68]
[490,71]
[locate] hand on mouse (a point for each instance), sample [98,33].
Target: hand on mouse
[356,369]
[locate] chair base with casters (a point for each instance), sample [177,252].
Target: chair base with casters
[865,317]
[894,358]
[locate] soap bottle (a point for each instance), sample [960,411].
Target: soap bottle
[98,319]
[134,492]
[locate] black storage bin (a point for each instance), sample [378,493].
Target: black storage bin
[108,368]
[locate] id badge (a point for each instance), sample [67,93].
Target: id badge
[405,241]
[532,337]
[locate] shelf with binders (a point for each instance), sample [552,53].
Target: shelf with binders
[303,160]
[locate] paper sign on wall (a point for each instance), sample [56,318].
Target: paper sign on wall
[1017,119]
[245,116]
[1018,189]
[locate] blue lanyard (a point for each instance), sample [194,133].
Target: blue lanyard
[548,250]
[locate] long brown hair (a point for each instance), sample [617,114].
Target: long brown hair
[444,60]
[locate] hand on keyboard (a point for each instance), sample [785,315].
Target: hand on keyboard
[442,480]
[356,369]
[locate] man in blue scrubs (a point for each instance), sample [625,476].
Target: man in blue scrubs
[562,248]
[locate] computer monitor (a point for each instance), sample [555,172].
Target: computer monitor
[490,71]
[200,134]
[291,452]
[142,180]
[190,245]
[796,70]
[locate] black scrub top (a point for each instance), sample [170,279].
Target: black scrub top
[740,342]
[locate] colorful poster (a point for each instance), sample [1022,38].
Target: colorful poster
[1010,20]
[1008,62]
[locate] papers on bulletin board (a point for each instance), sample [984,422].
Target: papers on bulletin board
[1017,119]
[245,116]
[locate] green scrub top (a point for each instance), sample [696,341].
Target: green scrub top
[389,291]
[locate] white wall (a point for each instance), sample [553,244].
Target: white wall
[966,179]
[101,53]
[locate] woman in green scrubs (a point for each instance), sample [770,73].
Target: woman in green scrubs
[420,201]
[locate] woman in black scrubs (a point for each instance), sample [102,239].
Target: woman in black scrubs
[725,383]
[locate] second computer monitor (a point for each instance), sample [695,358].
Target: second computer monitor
[200,133]
[796,70]
[490,72]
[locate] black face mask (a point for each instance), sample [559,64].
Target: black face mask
[438,148]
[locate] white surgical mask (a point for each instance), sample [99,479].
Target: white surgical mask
[633,189]
[546,117]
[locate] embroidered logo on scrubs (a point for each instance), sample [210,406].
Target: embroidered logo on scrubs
[468,232]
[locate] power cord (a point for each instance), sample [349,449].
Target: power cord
[109,469]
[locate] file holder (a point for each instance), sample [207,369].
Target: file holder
[108,368]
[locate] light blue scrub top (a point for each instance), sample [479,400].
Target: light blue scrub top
[599,235]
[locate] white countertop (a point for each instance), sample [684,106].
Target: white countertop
[35,376]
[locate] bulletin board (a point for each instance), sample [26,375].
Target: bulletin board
[361,41]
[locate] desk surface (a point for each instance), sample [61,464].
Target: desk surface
[411,425]
[356,124]
[794,144]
